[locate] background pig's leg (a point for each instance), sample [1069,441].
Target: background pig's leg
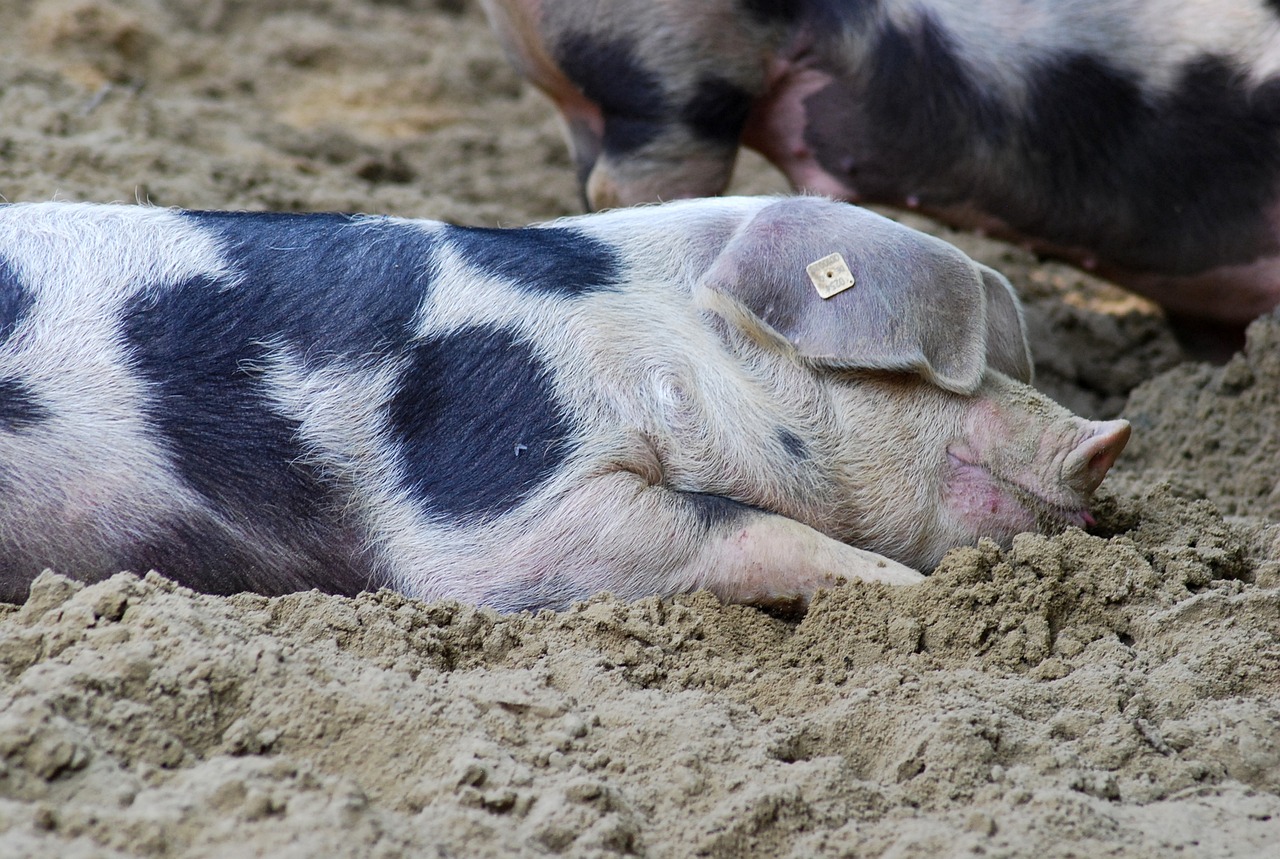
[625,535]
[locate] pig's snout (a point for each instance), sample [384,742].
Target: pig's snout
[1084,467]
[1008,475]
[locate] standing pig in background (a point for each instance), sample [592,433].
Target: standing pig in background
[1138,138]
[648,401]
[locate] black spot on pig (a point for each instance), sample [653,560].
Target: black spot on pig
[478,423]
[1173,182]
[552,260]
[611,75]
[329,284]
[1204,160]
[326,285]
[20,407]
[906,122]
[203,554]
[793,444]
[770,11]
[717,111]
[828,12]
[15,300]
[920,90]
[202,351]
[714,511]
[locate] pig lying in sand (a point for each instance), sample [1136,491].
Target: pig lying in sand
[647,401]
[1140,138]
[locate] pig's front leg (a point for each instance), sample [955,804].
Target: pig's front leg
[769,559]
[625,535]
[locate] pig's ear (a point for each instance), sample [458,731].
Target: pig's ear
[1007,348]
[917,304]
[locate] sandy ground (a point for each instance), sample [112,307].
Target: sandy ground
[1103,694]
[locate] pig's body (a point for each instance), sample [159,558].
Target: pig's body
[1140,138]
[517,418]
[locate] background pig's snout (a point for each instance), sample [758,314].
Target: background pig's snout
[1085,467]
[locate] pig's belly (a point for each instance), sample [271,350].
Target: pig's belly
[1232,294]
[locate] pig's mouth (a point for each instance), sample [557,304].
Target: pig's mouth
[989,497]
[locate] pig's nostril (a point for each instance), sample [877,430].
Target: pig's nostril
[1090,462]
[1101,462]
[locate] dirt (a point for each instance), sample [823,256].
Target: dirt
[1112,693]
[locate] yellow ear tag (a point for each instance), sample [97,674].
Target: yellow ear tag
[830,275]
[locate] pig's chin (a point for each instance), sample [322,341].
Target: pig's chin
[988,505]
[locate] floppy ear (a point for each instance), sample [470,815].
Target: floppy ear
[917,305]
[1007,348]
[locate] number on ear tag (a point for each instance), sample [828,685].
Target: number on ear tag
[830,275]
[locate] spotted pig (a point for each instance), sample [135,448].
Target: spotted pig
[648,401]
[1140,138]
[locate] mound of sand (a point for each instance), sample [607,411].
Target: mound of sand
[1114,693]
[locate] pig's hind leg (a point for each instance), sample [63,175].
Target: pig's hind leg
[634,539]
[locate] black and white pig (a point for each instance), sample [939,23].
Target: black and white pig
[1137,137]
[646,401]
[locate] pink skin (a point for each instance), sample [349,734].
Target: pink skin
[775,126]
[1003,461]
[985,501]
[1070,462]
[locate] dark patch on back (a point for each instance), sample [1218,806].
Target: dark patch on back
[20,407]
[202,347]
[325,285]
[1178,184]
[714,511]
[793,444]
[1175,182]
[330,284]
[553,260]
[202,351]
[609,73]
[1273,5]
[478,422]
[919,90]
[717,111]
[15,300]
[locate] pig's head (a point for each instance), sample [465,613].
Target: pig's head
[942,469]
[649,110]
[933,434]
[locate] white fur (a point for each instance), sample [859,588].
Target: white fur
[94,474]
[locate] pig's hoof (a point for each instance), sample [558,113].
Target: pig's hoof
[871,567]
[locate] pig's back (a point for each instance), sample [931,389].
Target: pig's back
[250,401]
